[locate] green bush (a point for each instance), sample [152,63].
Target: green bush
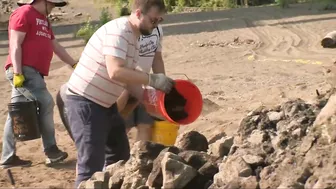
[86,31]
[328,4]
[283,3]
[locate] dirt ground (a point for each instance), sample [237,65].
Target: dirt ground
[240,59]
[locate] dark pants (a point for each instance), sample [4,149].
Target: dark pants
[91,126]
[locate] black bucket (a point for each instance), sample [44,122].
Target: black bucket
[25,120]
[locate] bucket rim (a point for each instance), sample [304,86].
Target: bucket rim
[162,97]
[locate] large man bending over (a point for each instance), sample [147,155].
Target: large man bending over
[106,66]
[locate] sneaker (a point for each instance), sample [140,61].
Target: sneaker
[55,155]
[16,162]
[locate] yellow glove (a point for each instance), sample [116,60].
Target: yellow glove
[74,66]
[18,80]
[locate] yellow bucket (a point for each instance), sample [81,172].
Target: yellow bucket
[164,132]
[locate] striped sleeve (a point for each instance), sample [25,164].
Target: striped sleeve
[115,43]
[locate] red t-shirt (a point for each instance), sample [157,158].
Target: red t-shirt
[37,48]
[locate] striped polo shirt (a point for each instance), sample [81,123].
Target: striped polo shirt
[90,78]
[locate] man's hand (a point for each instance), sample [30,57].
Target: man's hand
[18,80]
[161,82]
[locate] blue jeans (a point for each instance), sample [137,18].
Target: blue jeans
[99,134]
[35,83]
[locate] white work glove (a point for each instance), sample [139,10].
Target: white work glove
[161,82]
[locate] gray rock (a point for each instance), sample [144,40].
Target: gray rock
[192,140]
[216,137]
[325,182]
[233,168]
[275,116]
[133,181]
[253,160]
[197,159]
[221,147]
[175,173]
[257,137]
[103,177]
[115,167]
[291,185]
[312,180]
[93,184]
[155,178]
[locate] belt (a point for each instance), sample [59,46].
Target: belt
[11,67]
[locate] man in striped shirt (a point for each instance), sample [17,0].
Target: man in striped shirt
[150,59]
[106,67]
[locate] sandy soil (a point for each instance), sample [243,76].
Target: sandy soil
[239,58]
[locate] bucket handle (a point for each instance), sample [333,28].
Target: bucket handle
[183,75]
[25,92]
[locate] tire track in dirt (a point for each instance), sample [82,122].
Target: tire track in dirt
[265,42]
[312,47]
[288,41]
[281,45]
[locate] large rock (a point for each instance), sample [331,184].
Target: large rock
[268,178]
[103,177]
[155,178]
[133,180]
[116,167]
[291,185]
[197,159]
[252,122]
[326,182]
[192,140]
[209,170]
[258,137]
[221,147]
[310,183]
[233,168]
[326,120]
[142,157]
[176,174]
[216,137]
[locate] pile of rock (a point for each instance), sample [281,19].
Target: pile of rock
[274,148]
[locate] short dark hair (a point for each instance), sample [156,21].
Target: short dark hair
[145,5]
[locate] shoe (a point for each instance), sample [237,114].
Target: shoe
[16,162]
[55,155]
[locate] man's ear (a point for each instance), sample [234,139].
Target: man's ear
[138,13]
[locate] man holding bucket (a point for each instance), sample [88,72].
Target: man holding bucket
[30,36]
[150,58]
[107,66]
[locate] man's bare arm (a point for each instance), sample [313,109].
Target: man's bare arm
[158,64]
[117,71]
[60,51]
[16,39]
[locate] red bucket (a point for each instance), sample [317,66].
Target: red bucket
[153,100]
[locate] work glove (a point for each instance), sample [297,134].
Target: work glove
[18,80]
[161,82]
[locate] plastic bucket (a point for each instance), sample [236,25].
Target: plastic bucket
[154,99]
[25,120]
[164,132]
